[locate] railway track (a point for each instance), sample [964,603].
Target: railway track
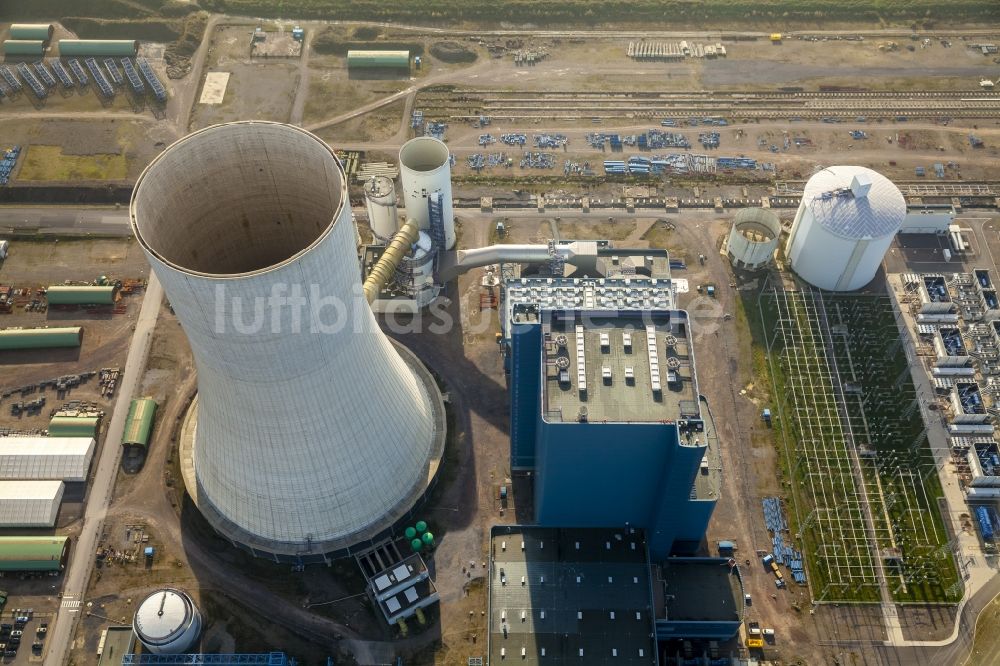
[469,104]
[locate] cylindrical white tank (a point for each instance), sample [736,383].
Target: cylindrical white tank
[844,226]
[167,622]
[311,431]
[425,168]
[380,199]
[753,238]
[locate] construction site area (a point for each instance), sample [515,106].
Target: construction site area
[826,476]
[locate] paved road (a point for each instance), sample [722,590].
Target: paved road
[65,220]
[82,551]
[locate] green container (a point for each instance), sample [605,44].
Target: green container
[417,545]
[23,47]
[410,533]
[378,59]
[69,48]
[421,526]
[73,426]
[428,539]
[69,295]
[31,553]
[40,338]
[139,424]
[37,31]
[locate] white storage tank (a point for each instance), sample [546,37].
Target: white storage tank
[753,238]
[380,200]
[425,168]
[844,226]
[167,622]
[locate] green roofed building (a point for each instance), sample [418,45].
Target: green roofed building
[376,59]
[36,31]
[71,295]
[73,426]
[139,424]
[126,48]
[25,47]
[24,553]
[40,338]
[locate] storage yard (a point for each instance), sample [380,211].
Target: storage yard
[847,476]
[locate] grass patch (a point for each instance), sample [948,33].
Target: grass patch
[595,11]
[848,421]
[49,163]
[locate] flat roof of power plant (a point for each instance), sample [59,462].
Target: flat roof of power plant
[618,367]
[577,596]
[700,589]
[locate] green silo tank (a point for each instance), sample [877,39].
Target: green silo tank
[410,533]
[428,539]
[416,545]
[421,526]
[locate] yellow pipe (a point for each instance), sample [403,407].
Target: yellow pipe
[387,264]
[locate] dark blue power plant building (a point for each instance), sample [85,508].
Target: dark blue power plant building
[605,409]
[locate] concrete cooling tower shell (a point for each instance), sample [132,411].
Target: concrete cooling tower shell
[312,431]
[844,226]
[753,238]
[425,168]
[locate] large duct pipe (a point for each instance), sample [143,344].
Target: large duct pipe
[393,254]
[311,431]
[571,253]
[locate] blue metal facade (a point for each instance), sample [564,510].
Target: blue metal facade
[594,474]
[525,393]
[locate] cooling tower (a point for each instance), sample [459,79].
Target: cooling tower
[311,431]
[425,170]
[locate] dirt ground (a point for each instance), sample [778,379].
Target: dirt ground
[35,264]
[380,125]
[986,649]
[90,145]
[32,264]
[258,89]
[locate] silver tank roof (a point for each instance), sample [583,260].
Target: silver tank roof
[854,202]
[163,616]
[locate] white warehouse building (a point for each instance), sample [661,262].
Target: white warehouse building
[846,222]
[311,432]
[30,503]
[63,458]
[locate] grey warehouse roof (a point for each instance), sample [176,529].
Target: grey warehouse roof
[875,214]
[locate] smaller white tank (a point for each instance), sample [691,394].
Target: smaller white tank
[167,622]
[753,238]
[380,199]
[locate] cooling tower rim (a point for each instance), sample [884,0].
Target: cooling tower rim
[194,136]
